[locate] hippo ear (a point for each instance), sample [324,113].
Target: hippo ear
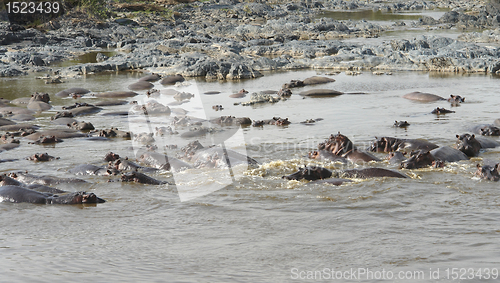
[478,166]
[473,136]
[457,136]
[496,166]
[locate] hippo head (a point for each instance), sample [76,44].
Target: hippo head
[337,144]
[314,155]
[490,131]
[310,173]
[39,96]
[488,172]
[418,159]
[385,144]
[468,144]
[110,156]
[76,198]
[456,99]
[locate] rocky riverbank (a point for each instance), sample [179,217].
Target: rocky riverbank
[230,39]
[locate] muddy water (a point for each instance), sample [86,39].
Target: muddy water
[262,228]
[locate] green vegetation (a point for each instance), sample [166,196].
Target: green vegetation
[96,8]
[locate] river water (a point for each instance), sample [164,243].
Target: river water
[262,228]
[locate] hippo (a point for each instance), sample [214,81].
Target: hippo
[41,157]
[423,96]
[317,80]
[488,172]
[217,157]
[418,159]
[151,78]
[110,156]
[141,85]
[310,173]
[57,133]
[22,117]
[389,144]
[440,111]
[448,154]
[326,155]
[89,169]
[127,165]
[284,92]
[311,121]
[163,162]
[17,194]
[81,126]
[18,127]
[369,173]
[242,93]
[172,80]
[321,93]
[486,130]
[70,91]
[152,107]
[468,144]
[82,109]
[39,102]
[401,124]
[144,138]
[29,179]
[396,157]
[141,178]
[46,140]
[340,145]
[6,122]
[63,121]
[455,100]
[116,94]
[487,142]
[111,133]
[180,96]
[218,107]
[165,131]
[293,83]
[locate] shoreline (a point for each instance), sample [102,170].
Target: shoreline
[231,40]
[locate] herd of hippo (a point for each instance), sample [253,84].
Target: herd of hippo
[25,187]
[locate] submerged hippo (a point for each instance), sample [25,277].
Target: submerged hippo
[396,157]
[39,102]
[390,144]
[468,144]
[321,93]
[217,157]
[310,173]
[486,130]
[116,94]
[419,159]
[41,157]
[141,85]
[73,90]
[423,96]
[488,172]
[89,169]
[401,124]
[172,80]
[455,100]
[29,179]
[448,154]
[340,145]
[162,161]
[440,111]
[141,178]
[151,78]
[18,194]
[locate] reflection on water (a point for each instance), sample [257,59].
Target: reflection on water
[380,16]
